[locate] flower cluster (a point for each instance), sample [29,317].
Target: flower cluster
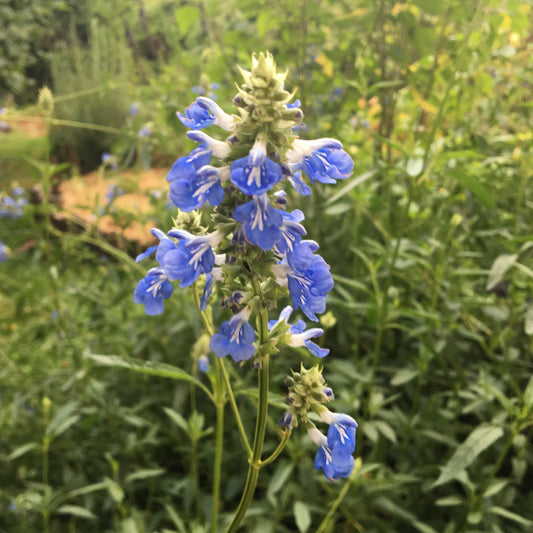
[257,251]
[307,393]
[12,206]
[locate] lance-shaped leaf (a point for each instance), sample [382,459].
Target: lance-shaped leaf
[478,441]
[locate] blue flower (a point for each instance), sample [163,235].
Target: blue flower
[134,109]
[260,221]
[236,338]
[255,174]
[210,279]
[106,157]
[196,117]
[299,335]
[341,432]
[328,393]
[203,364]
[3,252]
[335,462]
[152,290]
[291,231]
[192,257]
[286,420]
[299,184]
[322,160]
[145,131]
[155,287]
[307,277]
[196,186]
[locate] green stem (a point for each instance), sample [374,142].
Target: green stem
[222,369]
[218,456]
[234,408]
[260,426]
[255,462]
[335,505]
[275,454]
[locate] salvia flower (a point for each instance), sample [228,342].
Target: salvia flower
[255,174]
[236,338]
[196,117]
[192,256]
[334,462]
[322,160]
[299,336]
[341,432]
[152,290]
[261,223]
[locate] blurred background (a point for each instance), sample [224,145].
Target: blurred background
[430,243]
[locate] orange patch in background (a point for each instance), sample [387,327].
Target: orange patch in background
[83,196]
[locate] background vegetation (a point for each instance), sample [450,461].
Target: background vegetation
[430,323]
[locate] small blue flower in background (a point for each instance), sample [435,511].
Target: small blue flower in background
[144,132]
[106,157]
[236,338]
[3,252]
[335,462]
[260,221]
[203,364]
[113,192]
[18,191]
[134,108]
[300,337]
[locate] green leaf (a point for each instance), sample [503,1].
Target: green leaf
[265,22]
[528,325]
[63,419]
[76,510]
[403,376]
[478,441]
[449,501]
[177,419]
[475,187]
[115,490]
[280,476]
[302,516]
[528,394]
[144,474]
[152,368]
[185,17]
[498,269]
[500,511]
[21,450]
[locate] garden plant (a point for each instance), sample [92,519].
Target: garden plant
[181,372]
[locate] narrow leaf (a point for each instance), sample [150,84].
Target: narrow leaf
[498,269]
[144,474]
[478,441]
[76,510]
[501,511]
[152,368]
[302,516]
[21,450]
[475,187]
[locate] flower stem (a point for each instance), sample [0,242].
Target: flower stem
[275,454]
[260,426]
[255,462]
